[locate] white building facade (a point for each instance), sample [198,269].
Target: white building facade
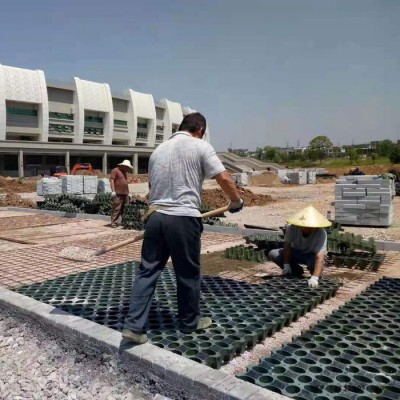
[46,124]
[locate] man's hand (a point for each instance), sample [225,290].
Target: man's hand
[286,269]
[235,206]
[313,282]
[113,194]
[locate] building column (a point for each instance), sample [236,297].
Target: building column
[105,163]
[20,164]
[67,163]
[135,163]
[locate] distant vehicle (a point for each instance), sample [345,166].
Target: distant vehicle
[60,171]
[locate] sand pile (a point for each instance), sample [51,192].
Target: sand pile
[367,169]
[267,179]
[216,198]
[14,200]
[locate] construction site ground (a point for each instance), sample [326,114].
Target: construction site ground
[30,244]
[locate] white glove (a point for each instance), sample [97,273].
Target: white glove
[235,206]
[113,194]
[313,282]
[286,269]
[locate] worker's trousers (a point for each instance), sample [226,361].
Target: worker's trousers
[118,207]
[296,258]
[165,236]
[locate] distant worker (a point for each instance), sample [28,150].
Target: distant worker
[305,243]
[356,171]
[177,169]
[120,190]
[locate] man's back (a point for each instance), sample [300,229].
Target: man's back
[177,169]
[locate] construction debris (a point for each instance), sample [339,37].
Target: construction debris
[216,198]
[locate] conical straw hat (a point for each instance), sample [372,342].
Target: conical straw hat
[309,217]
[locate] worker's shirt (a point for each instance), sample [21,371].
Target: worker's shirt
[177,169]
[314,243]
[120,181]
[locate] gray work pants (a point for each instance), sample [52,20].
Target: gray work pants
[165,236]
[296,258]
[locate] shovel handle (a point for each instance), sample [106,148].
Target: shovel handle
[137,238]
[213,213]
[120,244]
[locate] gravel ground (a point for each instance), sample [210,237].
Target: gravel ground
[34,365]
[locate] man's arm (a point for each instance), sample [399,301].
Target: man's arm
[286,252]
[319,264]
[112,185]
[224,179]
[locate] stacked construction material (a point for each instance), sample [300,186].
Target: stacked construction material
[103,185]
[39,187]
[241,179]
[90,184]
[364,200]
[49,186]
[311,177]
[297,177]
[72,184]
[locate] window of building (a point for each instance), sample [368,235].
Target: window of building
[159,137]
[120,122]
[54,128]
[58,115]
[142,125]
[160,128]
[93,131]
[141,135]
[98,120]
[140,144]
[21,111]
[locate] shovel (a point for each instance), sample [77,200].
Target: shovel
[80,254]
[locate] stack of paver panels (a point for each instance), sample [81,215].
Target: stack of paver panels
[364,200]
[103,185]
[90,184]
[298,177]
[72,184]
[48,186]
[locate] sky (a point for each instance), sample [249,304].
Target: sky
[263,72]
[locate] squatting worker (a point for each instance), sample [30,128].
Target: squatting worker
[305,243]
[120,190]
[177,169]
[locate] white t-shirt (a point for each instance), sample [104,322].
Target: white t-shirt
[314,243]
[177,169]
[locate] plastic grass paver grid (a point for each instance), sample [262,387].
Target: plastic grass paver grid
[353,354]
[243,313]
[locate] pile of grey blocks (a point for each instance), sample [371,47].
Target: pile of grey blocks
[90,184]
[241,178]
[311,177]
[365,200]
[103,185]
[297,177]
[48,186]
[72,184]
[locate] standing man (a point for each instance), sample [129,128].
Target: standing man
[305,243]
[177,169]
[120,190]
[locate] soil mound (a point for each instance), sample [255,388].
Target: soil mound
[14,200]
[11,185]
[216,198]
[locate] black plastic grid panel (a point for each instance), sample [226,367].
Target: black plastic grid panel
[352,354]
[243,313]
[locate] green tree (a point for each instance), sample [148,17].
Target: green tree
[353,155]
[269,152]
[395,155]
[321,144]
[374,156]
[259,153]
[385,148]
